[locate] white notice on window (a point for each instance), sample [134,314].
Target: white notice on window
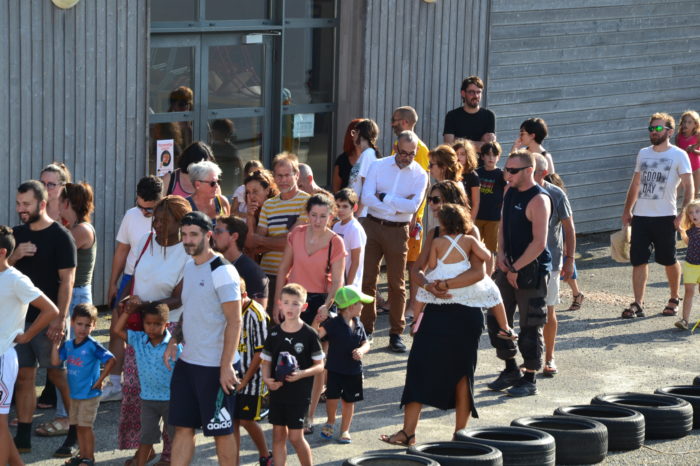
[164,156]
[303,125]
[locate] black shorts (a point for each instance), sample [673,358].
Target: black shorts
[347,387]
[197,400]
[248,407]
[290,415]
[657,233]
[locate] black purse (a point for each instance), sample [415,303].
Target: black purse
[529,276]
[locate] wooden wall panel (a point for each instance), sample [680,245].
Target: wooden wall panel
[594,70]
[76,93]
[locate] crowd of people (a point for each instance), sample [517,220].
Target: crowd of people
[229,307]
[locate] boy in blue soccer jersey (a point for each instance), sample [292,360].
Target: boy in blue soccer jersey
[83,355]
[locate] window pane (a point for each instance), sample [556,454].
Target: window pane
[236,76]
[308,135]
[309,65]
[310,8]
[171,137]
[234,142]
[237,9]
[171,68]
[173,10]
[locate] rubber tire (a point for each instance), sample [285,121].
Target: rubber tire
[625,425]
[519,445]
[696,380]
[689,393]
[458,453]
[578,440]
[665,417]
[389,459]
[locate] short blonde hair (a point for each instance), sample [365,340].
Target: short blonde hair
[286,157]
[667,119]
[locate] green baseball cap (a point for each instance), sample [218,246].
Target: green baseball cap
[349,295]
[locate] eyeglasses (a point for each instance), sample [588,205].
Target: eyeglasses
[218,231]
[403,153]
[145,210]
[51,185]
[657,129]
[470,92]
[514,171]
[210,183]
[435,199]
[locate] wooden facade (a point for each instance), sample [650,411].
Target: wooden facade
[75,92]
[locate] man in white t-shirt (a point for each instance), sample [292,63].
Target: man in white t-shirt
[202,390]
[354,237]
[650,208]
[16,293]
[136,223]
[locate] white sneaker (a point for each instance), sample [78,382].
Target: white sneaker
[111,393]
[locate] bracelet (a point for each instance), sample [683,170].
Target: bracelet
[512,269]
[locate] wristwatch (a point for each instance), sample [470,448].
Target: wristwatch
[512,269]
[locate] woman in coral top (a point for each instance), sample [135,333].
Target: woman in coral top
[688,139]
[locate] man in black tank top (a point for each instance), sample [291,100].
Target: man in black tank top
[523,271]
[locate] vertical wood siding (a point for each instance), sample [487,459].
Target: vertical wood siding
[417,54]
[77,86]
[594,70]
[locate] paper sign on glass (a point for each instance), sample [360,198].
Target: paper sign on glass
[303,125]
[164,156]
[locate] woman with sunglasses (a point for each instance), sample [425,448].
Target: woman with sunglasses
[205,177]
[179,182]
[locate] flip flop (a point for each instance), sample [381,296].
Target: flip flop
[409,440]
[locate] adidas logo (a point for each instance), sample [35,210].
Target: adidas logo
[222,420]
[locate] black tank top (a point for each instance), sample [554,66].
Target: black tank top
[517,229]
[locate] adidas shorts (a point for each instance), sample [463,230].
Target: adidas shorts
[347,387]
[8,377]
[198,401]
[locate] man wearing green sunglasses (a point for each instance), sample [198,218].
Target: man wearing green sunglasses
[650,208]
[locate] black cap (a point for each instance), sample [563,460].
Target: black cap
[198,218]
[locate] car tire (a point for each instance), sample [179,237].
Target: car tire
[689,393]
[394,459]
[625,425]
[578,440]
[519,445]
[665,417]
[458,453]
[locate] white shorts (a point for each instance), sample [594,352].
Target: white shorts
[552,298]
[8,377]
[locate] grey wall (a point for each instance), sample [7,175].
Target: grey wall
[77,87]
[417,54]
[594,70]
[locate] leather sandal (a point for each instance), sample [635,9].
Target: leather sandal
[409,440]
[671,311]
[634,310]
[577,302]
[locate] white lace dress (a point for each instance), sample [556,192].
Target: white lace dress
[483,293]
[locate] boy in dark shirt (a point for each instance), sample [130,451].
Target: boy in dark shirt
[492,187]
[347,345]
[289,400]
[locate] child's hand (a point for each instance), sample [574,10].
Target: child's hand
[21,339]
[272,384]
[170,354]
[322,314]
[132,304]
[357,354]
[98,385]
[294,376]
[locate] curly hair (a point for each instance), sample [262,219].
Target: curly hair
[471,161]
[175,207]
[266,180]
[455,219]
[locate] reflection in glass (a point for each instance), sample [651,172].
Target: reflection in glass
[237,9]
[309,137]
[310,8]
[165,131]
[236,76]
[309,65]
[171,67]
[234,142]
[173,10]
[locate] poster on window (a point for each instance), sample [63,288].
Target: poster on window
[164,156]
[303,125]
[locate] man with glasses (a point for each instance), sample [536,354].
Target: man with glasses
[523,271]
[470,121]
[650,208]
[393,191]
[135,224]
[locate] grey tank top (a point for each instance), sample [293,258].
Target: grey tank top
[86,262]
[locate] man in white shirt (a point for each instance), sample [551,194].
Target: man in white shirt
[392,193]
[650,208]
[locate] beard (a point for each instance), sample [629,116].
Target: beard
[31,217]
[657,139]
[195,249]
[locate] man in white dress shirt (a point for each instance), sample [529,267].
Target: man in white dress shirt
[392,192]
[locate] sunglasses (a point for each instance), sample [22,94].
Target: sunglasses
[210,183]
[145,210]
[657,129]
[435,199]
[514,171]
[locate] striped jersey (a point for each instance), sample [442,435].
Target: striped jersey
[253,335]
[278,216]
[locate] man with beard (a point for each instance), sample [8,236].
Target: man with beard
[46,254]
[202,390]
[229,237]
[470,121]
[650,208]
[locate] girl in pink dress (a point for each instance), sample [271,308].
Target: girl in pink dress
[688,139]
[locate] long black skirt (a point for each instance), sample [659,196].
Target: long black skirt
[444,350]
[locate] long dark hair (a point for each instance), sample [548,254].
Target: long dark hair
[368,130]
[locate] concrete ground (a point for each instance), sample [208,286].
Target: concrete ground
[597,352]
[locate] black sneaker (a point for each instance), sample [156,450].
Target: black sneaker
[505,379]
[396,344]
[522,388]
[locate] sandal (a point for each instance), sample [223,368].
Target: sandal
[54,428]
[65,451]
[550,369]
[682,324]
[671,311]
[327,431]
[308,427]
[577,302]
[74,461]
[345,438]
[409,440]
[635,310]
[506,334]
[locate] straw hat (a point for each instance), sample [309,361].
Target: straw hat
[620,245]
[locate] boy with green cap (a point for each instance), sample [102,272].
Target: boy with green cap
[347,345]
